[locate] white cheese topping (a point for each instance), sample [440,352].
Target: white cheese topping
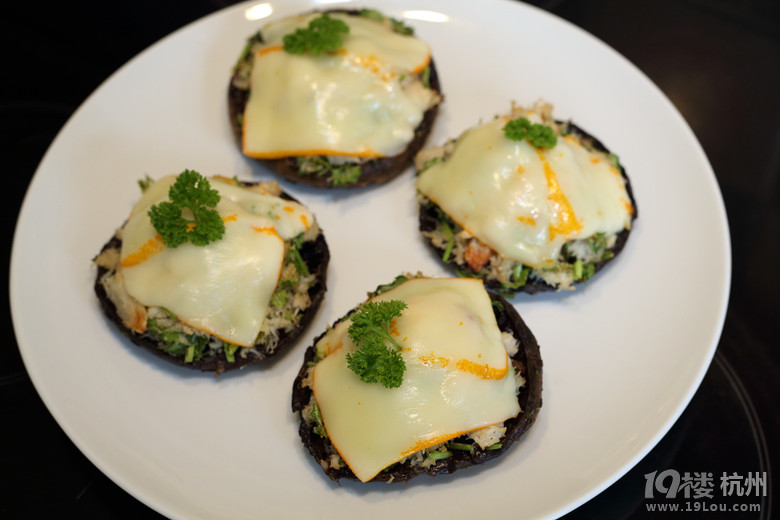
[223,288]
[359,101]
[458,377]
[366,38]
[524,202]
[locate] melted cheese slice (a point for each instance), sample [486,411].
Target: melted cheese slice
[354,102]
[523,202]
[223,288]
[458,377]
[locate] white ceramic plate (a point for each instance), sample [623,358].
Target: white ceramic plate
[622,357]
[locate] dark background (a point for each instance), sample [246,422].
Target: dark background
[719,63]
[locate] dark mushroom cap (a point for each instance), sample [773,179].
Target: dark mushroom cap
[316,256]
[428,221]
[374,171]
[527,360]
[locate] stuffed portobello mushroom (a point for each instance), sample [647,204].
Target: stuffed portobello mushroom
[213,273]
[428,376]
[334,99]
[525,202]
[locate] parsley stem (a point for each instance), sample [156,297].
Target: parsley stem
[390,337]
[450,236]
[440,455]
[578,269]
[297,259]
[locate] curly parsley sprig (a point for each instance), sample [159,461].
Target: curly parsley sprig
[322,35]
[539,135]
[191,196]
[375,361]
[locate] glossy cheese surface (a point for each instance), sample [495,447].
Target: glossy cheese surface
[358,101]
[223,288]
[458,377]
[524,202]
[366,38]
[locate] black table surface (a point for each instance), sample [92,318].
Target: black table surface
[718,61]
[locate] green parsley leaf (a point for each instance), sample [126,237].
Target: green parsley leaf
[430,162]
[446,230]
[614,160]
[426,77]
[294,255]
[597,242]
[345,174]
[459,446]
[578,269]
[279,298]
[190,195]
[322,35]
[388,286]
[539,135]
[316,416]
[439,455]
[340,175]
[145,183]
[588,271]
[230,352]
[396,25]
[401,28]
[374,361]
[372,14]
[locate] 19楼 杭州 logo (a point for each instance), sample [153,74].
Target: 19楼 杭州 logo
[669,491]
[670,484]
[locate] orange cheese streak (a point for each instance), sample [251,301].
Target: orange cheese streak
[483,371]
[138,321]
[266,50]
[421,67]
[369,154]
[567,222]
[269,230]
[146,251]
[427,443]
[331,349]
[393,328]
[417,446]
[629,207]
[155,245]
[371,62]
[434,360]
